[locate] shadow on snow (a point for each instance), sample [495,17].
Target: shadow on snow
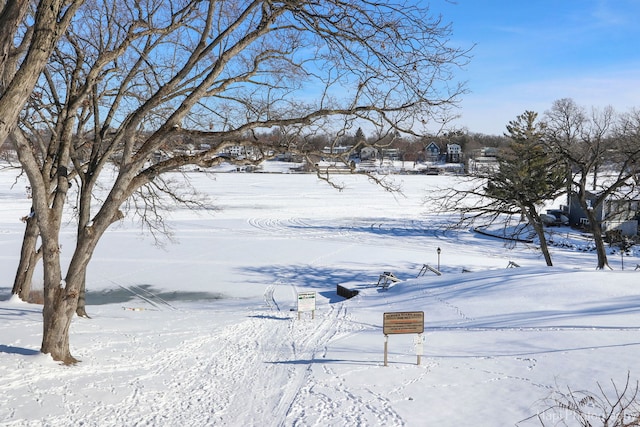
[147,293]
[307,276]
[9,349]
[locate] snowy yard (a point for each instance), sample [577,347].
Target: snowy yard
[204,330]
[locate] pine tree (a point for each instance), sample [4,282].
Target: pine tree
[528,174]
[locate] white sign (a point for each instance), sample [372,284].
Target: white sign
[306,301]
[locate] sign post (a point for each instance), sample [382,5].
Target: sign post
[419,342]
[307,302]
[386,345]
[404,322]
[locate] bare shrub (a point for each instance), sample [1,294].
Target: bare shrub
[619,408]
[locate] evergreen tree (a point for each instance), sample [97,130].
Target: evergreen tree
[528,174]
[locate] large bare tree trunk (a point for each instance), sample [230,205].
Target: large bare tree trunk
[59,304]
[56,321]
[29,257]
[62,296]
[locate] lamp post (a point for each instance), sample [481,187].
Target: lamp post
[438,251]
[625,245]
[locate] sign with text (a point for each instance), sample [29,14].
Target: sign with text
[306,301]
[403,322]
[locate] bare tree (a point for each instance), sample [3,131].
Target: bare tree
[152,71]
[602,147]
[25,46]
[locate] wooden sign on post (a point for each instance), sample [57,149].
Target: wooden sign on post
[403,322]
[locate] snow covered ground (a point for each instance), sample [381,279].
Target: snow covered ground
[204,330]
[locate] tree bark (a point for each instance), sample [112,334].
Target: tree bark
[59,304]
[62,297]
[538,226]
[62,303]
[50,21]
[81,309]
[11,16]
[29,257]
[596,231]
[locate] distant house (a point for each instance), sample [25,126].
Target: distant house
[613,214]
[489,152]
[337,149]
[238,151]
[484,160]
[368,153]
[454,153]
[390,153]
[432,152]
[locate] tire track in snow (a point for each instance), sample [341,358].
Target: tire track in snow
[322,395]
[269,300]
[302,352]
[307,339]
[360,231]
[209,375]
[300,228]
[258,370]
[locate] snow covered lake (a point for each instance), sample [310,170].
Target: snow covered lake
[203,331]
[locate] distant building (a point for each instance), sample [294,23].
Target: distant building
[336,149]
[483,160]
[432,152]
[239,152]
[368,153]
[454,153]
[390,153]
[489,152]
[613,214]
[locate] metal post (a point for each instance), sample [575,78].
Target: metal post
[438,250]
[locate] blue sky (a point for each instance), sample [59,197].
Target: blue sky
[529,53]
